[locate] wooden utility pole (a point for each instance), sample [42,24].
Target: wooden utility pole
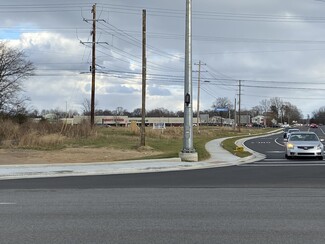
[93,68]
[144,81]
[93,63]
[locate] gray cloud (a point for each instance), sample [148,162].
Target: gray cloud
[121,90]
[157,91]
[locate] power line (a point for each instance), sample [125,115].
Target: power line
[285,97]
[137,42]
[160,12]
[287,87]
[263,51]
[277,87]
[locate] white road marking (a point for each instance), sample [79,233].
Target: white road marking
[282,145]
[261,142]
[273,159]
[8,203]
[275,152]
[283,163]
[279,165]
[322,130]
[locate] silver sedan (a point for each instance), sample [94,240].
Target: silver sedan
[304,144]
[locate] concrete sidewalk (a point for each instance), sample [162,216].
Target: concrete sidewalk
[219,158]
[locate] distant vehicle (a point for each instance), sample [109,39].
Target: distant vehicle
[289,131]
[304,144]
[284,125]
[287,128]
[313,125]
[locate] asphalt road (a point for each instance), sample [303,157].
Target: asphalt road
[271,201]
[163,215]
[271,146]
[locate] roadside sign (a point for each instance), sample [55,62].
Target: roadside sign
[221,109]
[159,126]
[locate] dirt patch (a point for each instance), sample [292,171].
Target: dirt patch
[69,155]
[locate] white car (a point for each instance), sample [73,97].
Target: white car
[304,144]
[287,134]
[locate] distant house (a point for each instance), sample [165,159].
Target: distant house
[258,120]
[50,116]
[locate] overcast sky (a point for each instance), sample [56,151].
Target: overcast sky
[276,47]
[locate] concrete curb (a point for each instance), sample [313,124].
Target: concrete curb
[91,164]
[44,172]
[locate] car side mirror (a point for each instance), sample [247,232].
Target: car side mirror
[322,140]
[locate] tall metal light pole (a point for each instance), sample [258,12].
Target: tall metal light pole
[188,153]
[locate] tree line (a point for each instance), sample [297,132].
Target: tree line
[318,116]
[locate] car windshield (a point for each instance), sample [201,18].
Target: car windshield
[303,137]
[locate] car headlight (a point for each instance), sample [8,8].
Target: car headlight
[320,146]
[290,146]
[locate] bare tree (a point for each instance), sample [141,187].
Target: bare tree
[86,106]
[137,112]
[265,106]
[291,113]
[159,112]
[14,69]
[119,111]
[319,116]
[222,102]
[277,107]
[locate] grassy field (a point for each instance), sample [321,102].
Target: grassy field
[168,141]
[46,136]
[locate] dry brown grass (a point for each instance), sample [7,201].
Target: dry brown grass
[40,135]
[9,131]
[168,133]
[35,140]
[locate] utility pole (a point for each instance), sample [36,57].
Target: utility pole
[144,81]
[93,63]
[198,96]
[93,69]
[235,114]
[239,104]
[188,153]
